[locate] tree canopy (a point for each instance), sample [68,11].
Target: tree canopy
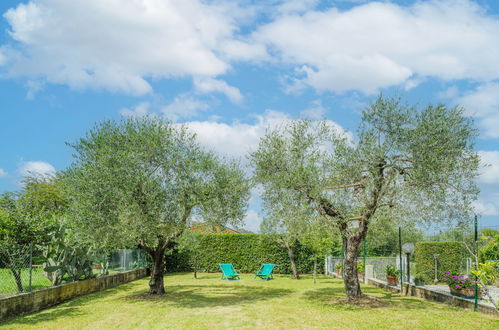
[404,163]
[139,181]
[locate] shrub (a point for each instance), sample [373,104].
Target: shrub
[361,267]
[245,251]
[449,260]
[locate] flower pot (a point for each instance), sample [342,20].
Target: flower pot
[338,272]
[466,293]
[391,279]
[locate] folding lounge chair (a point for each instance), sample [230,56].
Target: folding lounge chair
[229,273]
[265,272]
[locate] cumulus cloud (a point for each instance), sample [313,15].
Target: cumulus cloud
[2,173]
[485,208]
[183,107]
[315,112]
[490,172]
[117,45]
[36,168]
[121,45]
[140,110]
[210,85]
[237,139]
[483,103]
[252,221]
[382,44]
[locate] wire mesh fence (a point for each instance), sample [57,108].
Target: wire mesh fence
[26,268]
[455,260]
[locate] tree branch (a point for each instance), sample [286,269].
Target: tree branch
[352,185]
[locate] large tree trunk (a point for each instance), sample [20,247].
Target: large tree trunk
[291,256]
[156,285]
[350,274]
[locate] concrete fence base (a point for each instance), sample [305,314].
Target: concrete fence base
[422,292]
[29,302]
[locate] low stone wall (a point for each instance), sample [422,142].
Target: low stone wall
[39,299]
[422,292]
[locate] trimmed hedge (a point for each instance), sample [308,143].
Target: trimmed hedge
[450,259]
[245,251]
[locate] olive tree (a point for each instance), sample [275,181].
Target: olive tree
[403,163]
[283,224]
[137,182]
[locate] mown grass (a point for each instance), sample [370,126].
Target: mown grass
[281,303]
[8,284]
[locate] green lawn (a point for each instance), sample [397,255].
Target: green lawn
[8,284]
[38,280]
[281,303]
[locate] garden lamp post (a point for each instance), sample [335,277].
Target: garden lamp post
[436,266]
[408,248]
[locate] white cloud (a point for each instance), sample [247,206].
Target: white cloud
[490,172]
[121,45]
[118,44]
[182,107]
[36,168]
[252,221]
[485,208]
[33,87]
[2,173]
[382,44]
[140,110]
[483,103]
[315,112]
[210,85]
[238,139]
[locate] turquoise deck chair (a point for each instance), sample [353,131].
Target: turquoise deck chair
[265,272]
[229,273]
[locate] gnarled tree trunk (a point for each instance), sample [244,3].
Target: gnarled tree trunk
[156,285]
[350,274]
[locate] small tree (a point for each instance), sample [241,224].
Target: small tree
[19,228]
[318,239]
[404,163]
[284,224]
[139,181]
[190,242]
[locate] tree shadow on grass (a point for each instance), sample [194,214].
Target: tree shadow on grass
[200,296]
[379,299]
[70,308]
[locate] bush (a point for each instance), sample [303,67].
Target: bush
[245,251]
[449,260]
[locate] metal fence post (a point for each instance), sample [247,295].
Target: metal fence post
[476,263]
[400,257]
[30,265]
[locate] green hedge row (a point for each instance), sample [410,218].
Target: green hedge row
[245,251]
[451,257]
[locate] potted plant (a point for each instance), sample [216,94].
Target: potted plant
[338,269]
[391,275]
[460,285]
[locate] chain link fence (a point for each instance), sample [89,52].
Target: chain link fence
[445,261]
[25,268]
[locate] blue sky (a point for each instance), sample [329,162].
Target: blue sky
[230,69]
